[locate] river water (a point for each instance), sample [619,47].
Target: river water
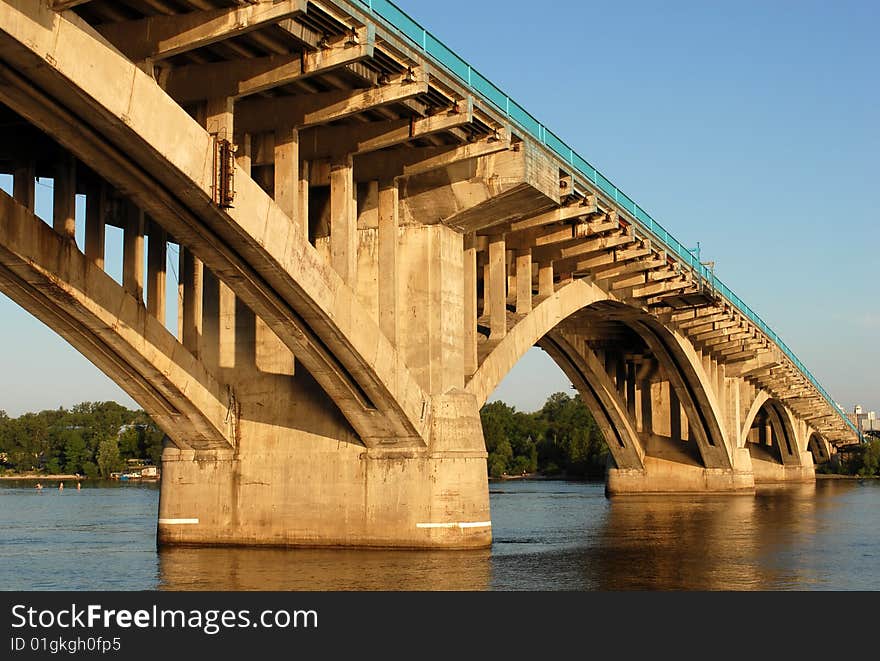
[548,535]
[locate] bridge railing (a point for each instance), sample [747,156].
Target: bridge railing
[401,23]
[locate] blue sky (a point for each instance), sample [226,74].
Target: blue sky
[750,127]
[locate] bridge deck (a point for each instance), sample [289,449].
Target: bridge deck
[362,73]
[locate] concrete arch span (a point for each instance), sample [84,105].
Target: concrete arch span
[49,278]
[165,167]
[628,394]
[777,451]
[819,448]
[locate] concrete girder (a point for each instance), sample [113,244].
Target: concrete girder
[307,110]
[244,77]
[325,141]
[582,209]
[163,36]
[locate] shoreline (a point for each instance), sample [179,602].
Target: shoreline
[835,476]
[79,478]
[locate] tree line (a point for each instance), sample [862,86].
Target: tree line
[91,439]
[95,438]
[561,438]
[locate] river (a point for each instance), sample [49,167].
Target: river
[548,535]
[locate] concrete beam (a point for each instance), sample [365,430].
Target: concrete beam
[584,247]
[243,77]
[163,36]
[419,160]
[582,209]
[305,110]
[324,141]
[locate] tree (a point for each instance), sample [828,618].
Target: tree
[870,459]
[108,456]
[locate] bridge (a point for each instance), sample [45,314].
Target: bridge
[370,236]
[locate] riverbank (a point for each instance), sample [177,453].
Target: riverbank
[835,476]
[559,477]
[45,478]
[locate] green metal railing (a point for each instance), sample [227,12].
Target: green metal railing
[399,22]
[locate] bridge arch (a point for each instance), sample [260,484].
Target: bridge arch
[47,276]
[819,448]
[550,325]
[770,433]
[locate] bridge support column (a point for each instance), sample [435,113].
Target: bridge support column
[316,485]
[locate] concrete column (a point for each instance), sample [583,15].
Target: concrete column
[631,389]
[24,182]
[660,408]
[620,375]
[645,406]
[545,280]
[133,252]
[496,292]
[96,209]
[64,196]
[228,313]
[156,257]
[388,267]
[470,304]
[303,197]
[191,304]
[243,337]
[524,281]
[287,179]
[484,266]
[368,247]
[210,341]
[431,326]
[674,415]
[343,219]
[219,115]
[510,261]
[243,154]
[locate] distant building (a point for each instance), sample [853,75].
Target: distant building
[864,420]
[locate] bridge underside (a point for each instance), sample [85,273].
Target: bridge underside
[363,251]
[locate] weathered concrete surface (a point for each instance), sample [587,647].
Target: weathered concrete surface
[294,487]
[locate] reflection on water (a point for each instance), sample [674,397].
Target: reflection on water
[321,569]
[547,536]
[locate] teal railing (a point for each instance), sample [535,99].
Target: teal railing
[401,23]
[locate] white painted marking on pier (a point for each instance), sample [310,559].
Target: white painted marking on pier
[178,522]
[458,524]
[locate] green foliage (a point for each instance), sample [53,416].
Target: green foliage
[109,459]
[560,438]
[869,459]
[56,441]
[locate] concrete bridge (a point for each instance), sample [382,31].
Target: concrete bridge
[370,236]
